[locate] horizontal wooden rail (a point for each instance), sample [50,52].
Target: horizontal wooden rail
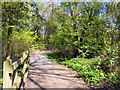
[11,79]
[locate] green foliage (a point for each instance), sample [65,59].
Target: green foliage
[1,78]
[96,39]
[61,41]
[37,46]
[1,82]
[21,41]
[55,56]
[15,15]
[86,70]
[91,70]
[20,68]
[15,24]
[38,43]
[72,29]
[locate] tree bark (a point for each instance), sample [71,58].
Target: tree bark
[8,54]
[74,16]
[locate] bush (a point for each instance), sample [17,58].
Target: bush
[85,69]
[91,70]
[21,41]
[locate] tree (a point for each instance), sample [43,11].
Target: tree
[14,17]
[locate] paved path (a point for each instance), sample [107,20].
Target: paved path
[44,74]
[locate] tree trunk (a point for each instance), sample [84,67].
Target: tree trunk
[75,29]
[8,54]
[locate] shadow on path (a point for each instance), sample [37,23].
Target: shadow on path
[44,74]
[36,83]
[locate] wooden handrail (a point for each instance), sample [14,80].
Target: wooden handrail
[11,79]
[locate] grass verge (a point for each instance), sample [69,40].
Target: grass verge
[89,69]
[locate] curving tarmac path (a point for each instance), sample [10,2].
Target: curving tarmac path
[44,74]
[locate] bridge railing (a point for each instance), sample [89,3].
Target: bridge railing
[11,77]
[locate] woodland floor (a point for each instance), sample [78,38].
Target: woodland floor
[44,74]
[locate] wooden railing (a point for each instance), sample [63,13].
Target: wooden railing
[11,77]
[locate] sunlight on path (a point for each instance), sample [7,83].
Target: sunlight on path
[44,74]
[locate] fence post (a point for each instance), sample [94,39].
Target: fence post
[11,79]
[7,70]
[26,65]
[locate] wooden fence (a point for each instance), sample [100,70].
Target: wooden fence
[11,77]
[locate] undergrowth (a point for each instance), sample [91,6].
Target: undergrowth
[91,70]
[1,79]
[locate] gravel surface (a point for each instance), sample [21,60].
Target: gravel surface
[44,74]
